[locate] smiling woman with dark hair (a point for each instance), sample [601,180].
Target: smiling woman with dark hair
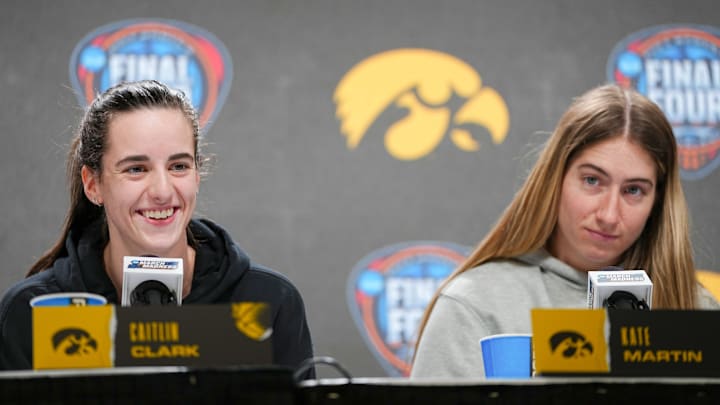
[134,175]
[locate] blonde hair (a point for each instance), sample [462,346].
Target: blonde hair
[663,248]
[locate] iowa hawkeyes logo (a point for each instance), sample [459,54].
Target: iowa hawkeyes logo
[74,342]
[570,345]
[443,97]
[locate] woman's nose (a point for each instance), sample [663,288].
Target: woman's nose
[160,188]
[609,209]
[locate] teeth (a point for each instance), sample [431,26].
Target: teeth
[158,214]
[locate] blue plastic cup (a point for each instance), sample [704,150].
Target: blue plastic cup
[507,355]
[67,299]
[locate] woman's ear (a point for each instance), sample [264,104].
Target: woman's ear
[90,185]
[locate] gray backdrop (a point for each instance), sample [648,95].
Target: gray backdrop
[284,183]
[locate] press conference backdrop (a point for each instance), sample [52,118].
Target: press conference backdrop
[341,158]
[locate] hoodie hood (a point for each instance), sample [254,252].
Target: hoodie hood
[548,263]
[222,273]
[219,263]
[83,268]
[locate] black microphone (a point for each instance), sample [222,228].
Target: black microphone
[625,300]
[152,280]
[615,288]
[151,292]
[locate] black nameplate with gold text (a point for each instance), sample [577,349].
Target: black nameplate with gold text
[667,343]
[193,335]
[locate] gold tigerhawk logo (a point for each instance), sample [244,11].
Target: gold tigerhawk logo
[570,345]
[426,83]
[250,318]
[74,342]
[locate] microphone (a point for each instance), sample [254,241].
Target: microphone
[615,288]
[152,280]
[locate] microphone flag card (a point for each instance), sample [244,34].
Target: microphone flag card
[603,283]
[148,280]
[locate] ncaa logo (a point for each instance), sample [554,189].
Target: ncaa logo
[180,55]
[678,67]
[388,291]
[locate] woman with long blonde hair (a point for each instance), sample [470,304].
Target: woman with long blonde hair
[605,191]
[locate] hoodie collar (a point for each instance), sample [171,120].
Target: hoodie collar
[86,264]
[543,259]
[219,263]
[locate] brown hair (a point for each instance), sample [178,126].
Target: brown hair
[89,144]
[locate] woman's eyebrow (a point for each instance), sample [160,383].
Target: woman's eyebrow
[132,159]
[594,167]
[604,173]
[182,155]
[145,158]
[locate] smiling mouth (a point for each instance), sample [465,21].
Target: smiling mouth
[158,214]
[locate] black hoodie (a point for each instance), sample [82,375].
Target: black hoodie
[223,273]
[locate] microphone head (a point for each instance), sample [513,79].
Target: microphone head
[633,287]
[152,292]
[624,300]
[149,280]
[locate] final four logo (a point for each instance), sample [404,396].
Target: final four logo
[388,291]
[180,55]
[678,67]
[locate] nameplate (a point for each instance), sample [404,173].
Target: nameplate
[72,336]
[667,343]
[656,343]
[192,335]
[569,341]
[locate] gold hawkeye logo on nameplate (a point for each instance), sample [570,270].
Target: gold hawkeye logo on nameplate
[569,341]
[72,337]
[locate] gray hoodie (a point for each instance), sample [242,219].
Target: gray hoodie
[495,298]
